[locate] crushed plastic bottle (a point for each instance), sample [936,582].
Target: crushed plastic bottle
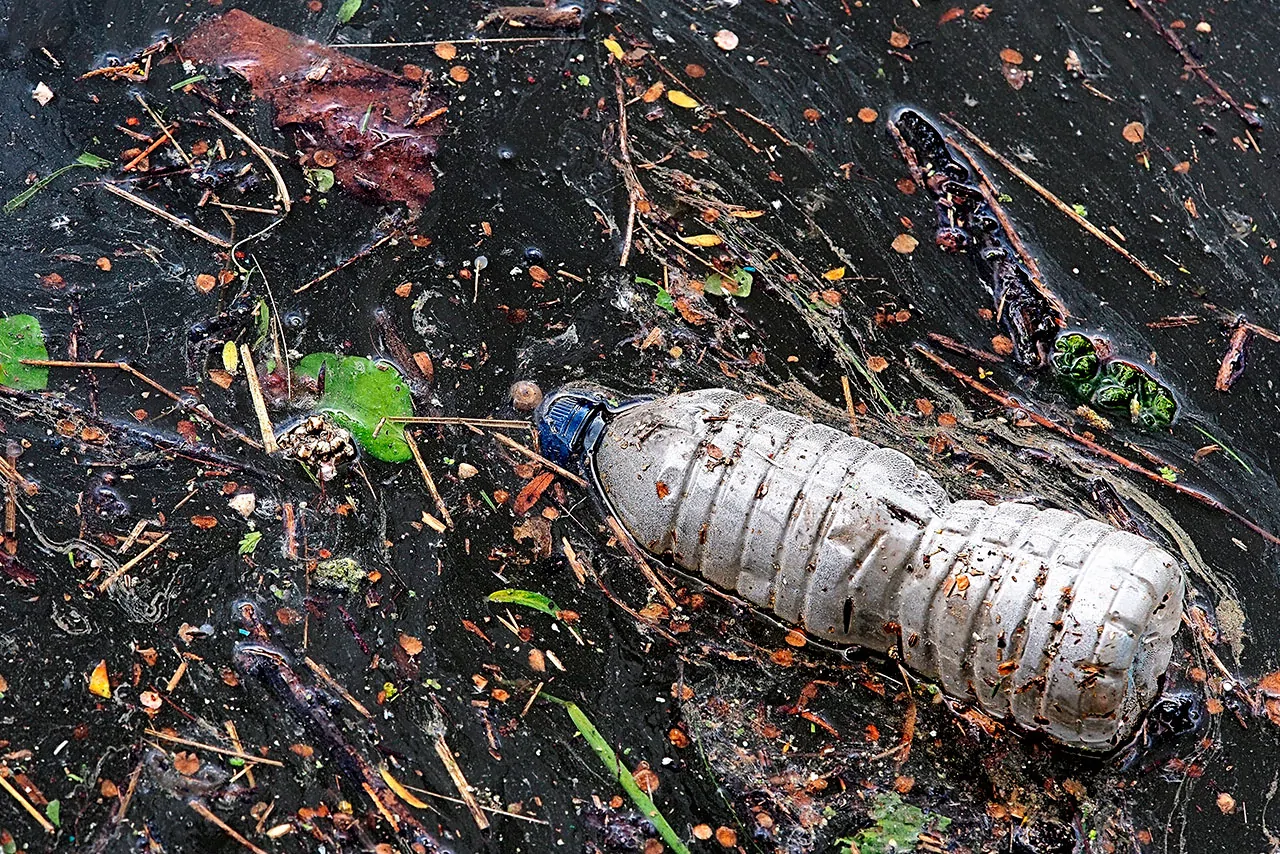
[1061,624]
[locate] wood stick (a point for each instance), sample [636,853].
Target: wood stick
[164,130]
[638,556]
[493,810]
[1054,200]
[356,257]
[165,215]
[155,143]
[534,455]
[207,814]
[848,404]
[26,804]
[498,423]
[323,675]
[234,735]
[141,377]
[1012,403]
[428,479]
[132,562]
[281,188]
[624,154]
[259,403]
[381,805]
[239,754]
[460,783]
[128,792]
[461,41]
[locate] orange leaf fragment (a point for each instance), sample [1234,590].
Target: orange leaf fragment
[401,792]
[446,51]
[654,92]
[204,523]
[99,683]
[904,244]
[205,283]
[1134,132]
[876,364]
[899,40]
[1011,56]
[410,644]
[533,491]
[867,115]
[186,763]
[950,15]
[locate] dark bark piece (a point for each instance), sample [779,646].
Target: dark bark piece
[383,129]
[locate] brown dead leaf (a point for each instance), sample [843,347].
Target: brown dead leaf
[533,491]
[1011,56]
[186,763]
[203,522]
[663,489]
[205,283]
[812,115]
[410,644]
[950,15]
[867,115]
[899,40]
[904,244]
[876,364]
[446,51]
[1134,132]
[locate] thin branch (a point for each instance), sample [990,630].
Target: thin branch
[139,375]
[281,189]
[1012,403]
[172,219]
[132,562]
[208,815]
[239,754]
[26,804]
[1054,200]
[427,478]
[534,455]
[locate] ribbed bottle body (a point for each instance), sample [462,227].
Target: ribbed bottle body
[1059,623]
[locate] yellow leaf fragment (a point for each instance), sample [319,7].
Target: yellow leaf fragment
[905,244]
[747,214]
[401,792]
[834,275]
[614,48]
[702,239]
[99,684]
[681,99]
[230,357]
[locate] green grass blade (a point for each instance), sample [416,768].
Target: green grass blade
[85,159]
[620,773]
[1226,449]
[526,598]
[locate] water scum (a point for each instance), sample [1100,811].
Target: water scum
[704,146]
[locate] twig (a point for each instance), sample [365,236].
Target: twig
[624,150]
[281,189]
[1193,64]
[964,349]
[239,754]
[460,783]
[207,814]
[1012,403]
[26,804]
[460,41]
[498,423]
[155,143]
[164,130]
[848,404]
[638,556]
[1054,200]
[428,479]
[269,445]
[165,215]
[318,669]
[993,202]
[128,792]
[534,455]
[132,562]
[234,735]
[493,810]
[773,130]
[356,257]
[139,375]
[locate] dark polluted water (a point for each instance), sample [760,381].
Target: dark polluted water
[342,628]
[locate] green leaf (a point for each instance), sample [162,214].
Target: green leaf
[53,810]
[21,338]
[321,179]
[249,542]
[1080,210]
[85,159]
[348,10]
[262,312]
[359,393]
[527,598]
[736,284]
[613,765]
[187,82]
[897,827]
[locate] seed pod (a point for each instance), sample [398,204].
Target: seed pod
[1061,624]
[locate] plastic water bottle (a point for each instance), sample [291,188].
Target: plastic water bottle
[1060,624]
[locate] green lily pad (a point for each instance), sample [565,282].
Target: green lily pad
[21,338]
[358,394]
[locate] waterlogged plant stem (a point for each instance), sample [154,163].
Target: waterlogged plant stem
[92,161]
[620,773]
